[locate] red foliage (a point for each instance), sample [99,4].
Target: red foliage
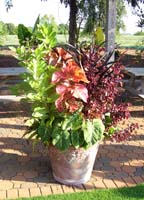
[87,79]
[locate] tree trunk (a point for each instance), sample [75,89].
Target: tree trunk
[72,22]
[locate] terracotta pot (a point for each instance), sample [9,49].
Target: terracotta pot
[73,166]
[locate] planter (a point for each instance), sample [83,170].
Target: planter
[73,166]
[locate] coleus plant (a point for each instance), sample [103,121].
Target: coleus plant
[73,91]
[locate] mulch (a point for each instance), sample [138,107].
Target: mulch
[8,59]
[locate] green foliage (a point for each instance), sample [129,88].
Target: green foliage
[7,28]
[24,35]
[62,29]
[95,16]
[49,20]
[141,33]
[99,37]
[11,29]
[47,124]
[29,36]
[121,12]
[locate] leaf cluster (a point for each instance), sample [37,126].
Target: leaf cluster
[47,124]
[74,92]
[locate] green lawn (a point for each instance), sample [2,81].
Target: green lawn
[130,41]
[122,40]
[133,193]
[8,40]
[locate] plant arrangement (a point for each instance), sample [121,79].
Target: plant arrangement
[74,93]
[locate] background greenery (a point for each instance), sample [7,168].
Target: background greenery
[122,40]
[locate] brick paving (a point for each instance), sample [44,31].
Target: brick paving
[27,173]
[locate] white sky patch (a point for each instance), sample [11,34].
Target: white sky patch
[26,11]
[130,21]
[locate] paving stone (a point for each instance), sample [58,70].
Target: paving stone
[56,189]
[24,159]
[12,194]
[137,163]
[105,160]
[79,188]
[3,195]
[126,163]
[120,182]
[46,190]
[30,174]
[67,189]
[120,174]
[6,185]
[109,183]
[118,169]
[138,179]
[129,181]
[115,164]
[89,185]
[128,169]
[99,184]
[28,185]
[107,168]
[139,171]
[20,178]
[35,192]
[142,176]
[41,179]
[23,192]
[98,175]
[8,173]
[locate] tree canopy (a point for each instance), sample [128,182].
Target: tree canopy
[87,10]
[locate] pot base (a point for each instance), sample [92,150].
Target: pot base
[72,182]
[73,166]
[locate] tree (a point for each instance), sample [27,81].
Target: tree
[11,29]
[140,13]
[121,11]
[96,15]
[62,29]
[3,28]
[72,19]
[74,8]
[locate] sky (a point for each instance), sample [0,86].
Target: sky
[26,12]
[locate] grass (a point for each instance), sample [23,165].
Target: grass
[130,41]
[8,40]
[132,193]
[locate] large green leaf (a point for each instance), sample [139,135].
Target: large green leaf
[39,112]
[60,138]
[77,138]
[98,130]
[87,128]
[93,131]
[73,121]
[44,133]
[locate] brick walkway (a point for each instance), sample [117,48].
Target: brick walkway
[24,173]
